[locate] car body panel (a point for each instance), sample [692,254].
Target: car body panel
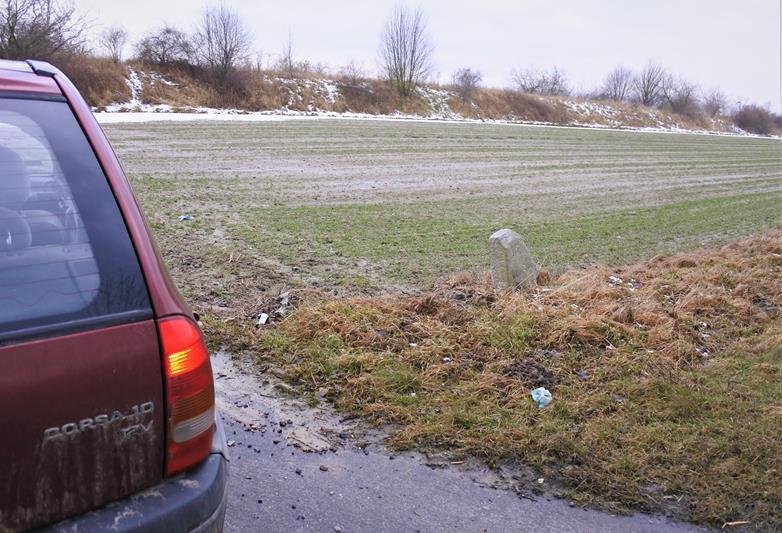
[86,409]
[85,412]
[13,77]
[193,501]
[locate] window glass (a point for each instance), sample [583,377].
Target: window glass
[66,259]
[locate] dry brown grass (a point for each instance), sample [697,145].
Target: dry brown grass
[663,305]
[100,80]
[665,376]
[171,85]
[504,104]
[254,92]
[375,97]
[633,115]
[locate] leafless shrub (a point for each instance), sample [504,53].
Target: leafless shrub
[40,29]
[222,40]
[618,84]
[352,73]
[754,119]
[680,96]
[165,46]
[648,85]
[286,64]
[318,70]
[259,62]
[466,82]
[405,50]
[113,40]
[533,81]
[714,103]
[526,80]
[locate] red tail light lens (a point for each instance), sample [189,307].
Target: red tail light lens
[191,394]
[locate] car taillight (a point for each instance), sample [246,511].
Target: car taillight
[190,394]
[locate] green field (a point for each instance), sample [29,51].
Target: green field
[666,393]
[368,205]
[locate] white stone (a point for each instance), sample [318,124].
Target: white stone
[512,265]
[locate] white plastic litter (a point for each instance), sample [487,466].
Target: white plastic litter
[542,397]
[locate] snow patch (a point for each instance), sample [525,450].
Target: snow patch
[437,99]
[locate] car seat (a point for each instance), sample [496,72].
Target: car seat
[45,227]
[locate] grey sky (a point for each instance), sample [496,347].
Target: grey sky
[730,44]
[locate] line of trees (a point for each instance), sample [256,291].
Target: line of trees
[220,49]
[220,44]
[655,86]
[406,53]
[53,30]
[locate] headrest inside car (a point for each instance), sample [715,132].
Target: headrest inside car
[15,233]
[14,181]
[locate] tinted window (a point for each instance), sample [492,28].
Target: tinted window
[66,260]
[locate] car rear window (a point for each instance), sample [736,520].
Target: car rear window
[66,259]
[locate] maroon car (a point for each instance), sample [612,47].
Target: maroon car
[107,400]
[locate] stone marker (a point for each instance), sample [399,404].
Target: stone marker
[511,263]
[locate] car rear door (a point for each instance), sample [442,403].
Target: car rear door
[81,385]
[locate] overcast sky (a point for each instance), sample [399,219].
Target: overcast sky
[730,44]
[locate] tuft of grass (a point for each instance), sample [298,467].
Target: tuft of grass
[665,376]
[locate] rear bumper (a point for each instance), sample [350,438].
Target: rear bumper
[191,502]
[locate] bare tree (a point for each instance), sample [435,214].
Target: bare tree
[260,62]
[467,81]
[680,96]
[113,40]
[715,103]
[40,29]
[618,84]
[527,80]
[352,73]
[287,63]
[166,46]
[405,50]
[648,85]
[222,40]
[556,83]
[551,83]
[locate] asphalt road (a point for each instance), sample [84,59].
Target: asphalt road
[337,486]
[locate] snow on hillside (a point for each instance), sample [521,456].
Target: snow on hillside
[316,98]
